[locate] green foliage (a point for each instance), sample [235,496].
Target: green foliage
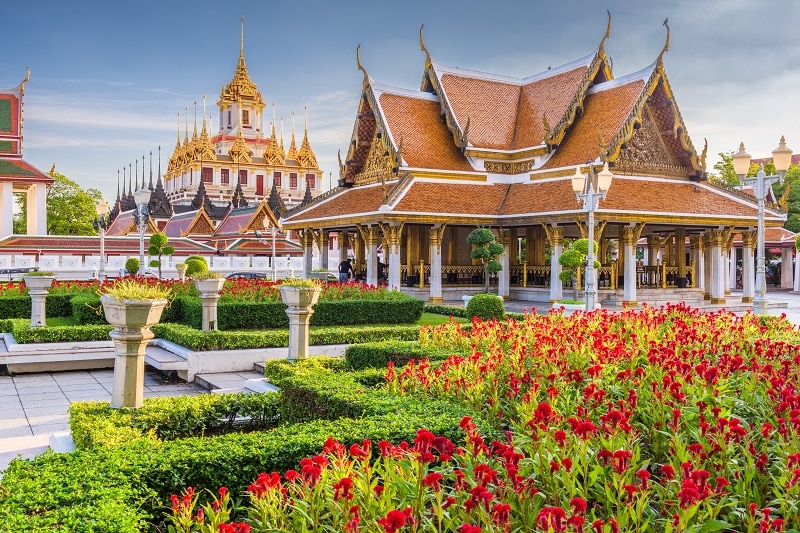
[486,307]
[446,310]
[158,248]
[197,340]
[87,309]
[132,265]
[70,208]
[23,333]
[486,248]
[195,265]
[199,258]
[379,354]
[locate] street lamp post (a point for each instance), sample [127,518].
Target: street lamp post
[584,189]
[274,230]
[141,214]
[782,158]
[100,223]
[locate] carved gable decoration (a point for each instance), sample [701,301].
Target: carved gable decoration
[378,166]
[646,153]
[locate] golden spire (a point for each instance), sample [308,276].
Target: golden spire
[306,156]
[239,152]
[204,132]
[194,134]
[205,149]
[241,86]
[281,148]
[292,153]
[186,138]
[274,155]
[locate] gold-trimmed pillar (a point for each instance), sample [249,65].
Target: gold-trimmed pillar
[370,236]
[504,276]
[307,243]
[393,238]
[716,241]
[321,237]
[435,237]
[555,235]
[630,237]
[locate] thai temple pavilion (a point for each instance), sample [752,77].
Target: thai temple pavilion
[16,175]
[425,167]
[241,162]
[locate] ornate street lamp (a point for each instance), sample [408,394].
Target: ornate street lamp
[584,188]
[270,226]
[100,223]
[141,214]
[782,158]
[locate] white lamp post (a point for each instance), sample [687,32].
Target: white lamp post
[782,158]
[101,224]
[274,230]
[584,189]
[141,214]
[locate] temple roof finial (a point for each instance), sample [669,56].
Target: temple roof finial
[666,43]
[422,44]
[194,134]
[241,40]
[358,62]
[26,80]
[608,30]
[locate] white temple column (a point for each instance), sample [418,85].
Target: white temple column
[630,236]
[394,236]
[556,237]
[749,239]
[504,276]
[717,240]
[708,266]
[436,234]
[796,271]
[307,242]
[787,282]
[6,209]
[730,271]
[322,239]
[37,209]
[370,237]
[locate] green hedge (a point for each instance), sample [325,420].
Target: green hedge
[87,309]
[23,334]
[19,305]
[256,315]
[129,473]
[197,340]
[379,354]
[446,310]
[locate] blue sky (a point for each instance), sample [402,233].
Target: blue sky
[108,78]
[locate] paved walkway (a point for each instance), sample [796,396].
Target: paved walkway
[34,406]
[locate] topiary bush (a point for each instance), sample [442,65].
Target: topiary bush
[132,265]
[195,265]
[486,307]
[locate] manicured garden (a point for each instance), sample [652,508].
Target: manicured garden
[653,420]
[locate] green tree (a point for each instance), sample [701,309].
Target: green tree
[70,208]
[486,248]
[158,247]
[572,259]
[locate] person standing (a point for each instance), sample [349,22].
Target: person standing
[345,270]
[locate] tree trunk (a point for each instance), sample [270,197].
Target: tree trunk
[486,277]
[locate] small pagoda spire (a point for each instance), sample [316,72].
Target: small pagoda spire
[275,202]
[194,134]
[238,199]
[137,174]
[150,186]
[204,132]
[281,149]
[292,153]
[306,156]
[307,196]
[273,154]
[201,199]
[117,185]
[130,180]
[160,205]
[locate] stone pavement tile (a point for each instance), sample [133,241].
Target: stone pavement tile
[53,400]
[81,396]
[19,431]
[28,379]
[176,387]
[40,429]
[70,378]
[6,392]
[88,386]
[33,412]
[38,386]
[51,396]
[43,418]
[12,411]
[10,423]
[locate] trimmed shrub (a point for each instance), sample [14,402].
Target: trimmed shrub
[446,310]
[195,265]
[486,307]
[132,265]
[58,305]
[23,333]
[15,306]
[87,309]
[399,353]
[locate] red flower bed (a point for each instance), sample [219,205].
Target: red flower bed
[654,420]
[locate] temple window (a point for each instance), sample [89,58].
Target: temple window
[208,174]
[246,118]
[276,179]
[293,180]
[229,119]
[311,182]
[225,176]
[243,177]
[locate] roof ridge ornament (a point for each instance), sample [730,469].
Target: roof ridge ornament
[608,31]
[26,80]
[666,43]
[422,45]
[361,66]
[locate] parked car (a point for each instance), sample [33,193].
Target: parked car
[246,275]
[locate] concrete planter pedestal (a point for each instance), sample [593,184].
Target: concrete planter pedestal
[209,295]
[132,320]
[299,301]
[181,271]
[38,288]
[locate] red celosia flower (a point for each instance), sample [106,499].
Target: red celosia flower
[433,481]
[500,513]
[468,528]
[342,489]
[393,521]
[578,505]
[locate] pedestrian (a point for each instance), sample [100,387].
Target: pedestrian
[345,270]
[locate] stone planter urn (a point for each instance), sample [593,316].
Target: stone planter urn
[181,268]
[132,320]
[209,295]
[299,300]
[38,288]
